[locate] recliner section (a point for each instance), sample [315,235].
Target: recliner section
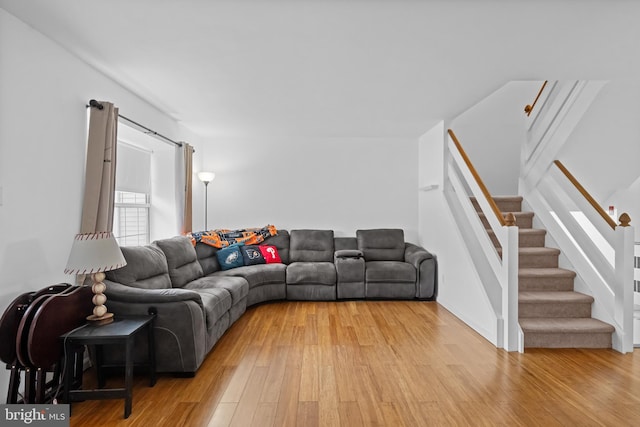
[196,302]
[311,274]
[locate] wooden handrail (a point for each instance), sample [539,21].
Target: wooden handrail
[585,194]
[483,188]
[529,108]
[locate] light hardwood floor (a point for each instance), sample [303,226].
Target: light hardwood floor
[387,363]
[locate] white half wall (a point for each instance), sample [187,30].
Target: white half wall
[460,289]
[43,123]
[343,184]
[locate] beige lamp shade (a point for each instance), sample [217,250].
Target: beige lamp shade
[94,253]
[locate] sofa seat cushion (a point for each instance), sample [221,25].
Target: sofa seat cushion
[146,268]
[323,273]
[236,286]
[181,259]
[216,303]
[390,272]
[257,275]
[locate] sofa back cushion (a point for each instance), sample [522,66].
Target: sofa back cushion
[181,259]
[281,241]
[146,268]
[311,246]
[342,243]
[381,244]
[207,258]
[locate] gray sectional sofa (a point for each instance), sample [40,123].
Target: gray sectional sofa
[196,301]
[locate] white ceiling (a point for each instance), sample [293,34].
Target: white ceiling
[331,67]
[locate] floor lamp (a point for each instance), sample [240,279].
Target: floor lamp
[206,177]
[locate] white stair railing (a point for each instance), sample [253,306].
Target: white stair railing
[559,106]
[499,274]
[598,249]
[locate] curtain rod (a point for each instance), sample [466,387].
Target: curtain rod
[95,104]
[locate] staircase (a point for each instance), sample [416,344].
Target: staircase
[550,313]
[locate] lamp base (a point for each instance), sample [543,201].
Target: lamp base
[102,320]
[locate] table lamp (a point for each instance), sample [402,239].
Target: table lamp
[95,253]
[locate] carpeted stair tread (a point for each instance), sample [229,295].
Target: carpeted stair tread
[499,199]
[567,325]
[554,304]
[545,273]
[527,237]
[566,333]
[505,203]
[535,257]
[535,251]
[553,297]
[523,219]
[545,279]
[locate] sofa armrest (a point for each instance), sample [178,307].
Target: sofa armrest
[119,292]
[415,254]
[348,253]
[179,326]
[426,265]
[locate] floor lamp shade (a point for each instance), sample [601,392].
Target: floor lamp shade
[206,178]
[95,253]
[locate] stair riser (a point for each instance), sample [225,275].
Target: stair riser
[538,261]
[524,241]
[545,284]
[547,310]
[567,340]
[524,221]
[503,205]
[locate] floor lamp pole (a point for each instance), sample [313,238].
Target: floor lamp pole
[206,204]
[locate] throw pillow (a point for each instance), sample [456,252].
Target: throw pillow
[230,257]
[270,254]
[252,255]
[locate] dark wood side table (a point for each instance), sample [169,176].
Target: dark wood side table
[120,332]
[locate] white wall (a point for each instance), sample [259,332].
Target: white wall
[492,132]
[603,151]
[42,147]
[331,183]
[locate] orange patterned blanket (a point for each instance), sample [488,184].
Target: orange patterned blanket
[223,237]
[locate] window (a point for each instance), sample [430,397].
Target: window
[131,218]
[132,205]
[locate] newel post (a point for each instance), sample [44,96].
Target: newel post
[513,340]
[625,236]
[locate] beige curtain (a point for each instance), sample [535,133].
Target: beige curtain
[184,184]
[100,173]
